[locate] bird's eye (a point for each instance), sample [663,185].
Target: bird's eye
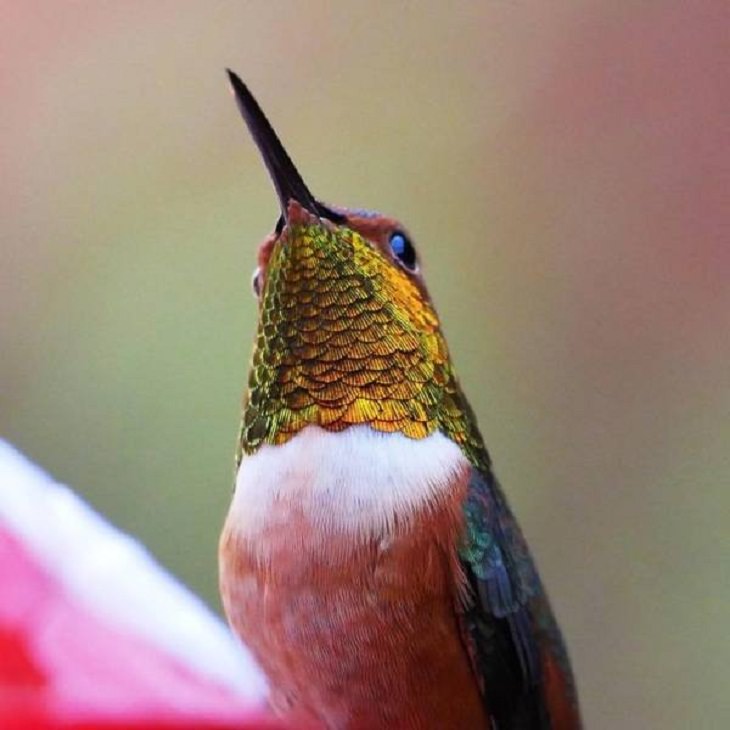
[403,250]
[256,282]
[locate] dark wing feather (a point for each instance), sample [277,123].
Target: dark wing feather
[506,620]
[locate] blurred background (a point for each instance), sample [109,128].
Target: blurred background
[564,170]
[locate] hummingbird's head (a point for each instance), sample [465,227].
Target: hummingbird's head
[347,333]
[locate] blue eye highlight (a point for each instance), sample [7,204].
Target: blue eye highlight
[403,250]
[256,282]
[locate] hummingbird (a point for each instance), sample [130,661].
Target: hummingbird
[369,558]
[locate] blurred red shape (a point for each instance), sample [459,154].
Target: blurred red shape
[64,663]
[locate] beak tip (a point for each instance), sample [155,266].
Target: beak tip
[237,86]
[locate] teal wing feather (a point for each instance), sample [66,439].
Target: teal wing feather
[509,630]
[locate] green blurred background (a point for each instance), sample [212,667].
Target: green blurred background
[561,166]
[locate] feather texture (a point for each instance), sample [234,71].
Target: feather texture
[507,623]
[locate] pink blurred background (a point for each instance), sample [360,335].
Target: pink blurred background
[564,169]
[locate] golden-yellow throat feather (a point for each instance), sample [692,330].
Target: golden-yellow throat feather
[347,337]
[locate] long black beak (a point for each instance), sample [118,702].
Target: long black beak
[287,180]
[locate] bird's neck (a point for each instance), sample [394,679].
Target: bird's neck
[355,481]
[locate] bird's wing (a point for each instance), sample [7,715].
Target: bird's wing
[508,627]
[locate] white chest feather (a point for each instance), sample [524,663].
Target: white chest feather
[357,480]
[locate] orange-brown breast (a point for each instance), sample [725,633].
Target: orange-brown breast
[356,630]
